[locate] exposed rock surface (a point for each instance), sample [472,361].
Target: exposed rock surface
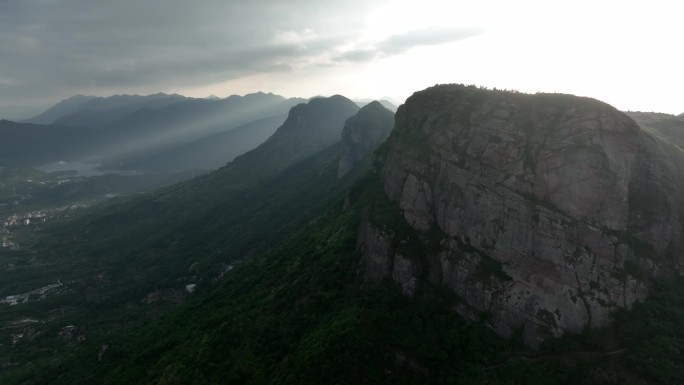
[363,133]
[553,210]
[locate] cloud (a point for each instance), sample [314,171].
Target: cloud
[426,36]
[398,44]
[358,55]
[96,46]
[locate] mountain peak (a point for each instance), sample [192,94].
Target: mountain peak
[362,134]
[309,128]
[374,105]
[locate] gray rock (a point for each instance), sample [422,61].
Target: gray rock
[362,134]
[561,202]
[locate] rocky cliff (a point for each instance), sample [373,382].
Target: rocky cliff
[362,134]
[549,211]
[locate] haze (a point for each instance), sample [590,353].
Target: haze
[622,52]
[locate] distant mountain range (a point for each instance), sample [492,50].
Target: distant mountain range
[122,131]
[24,144]
[93,111]
[62,108]
[210,152]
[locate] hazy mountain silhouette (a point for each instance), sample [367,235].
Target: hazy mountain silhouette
[385,103]
[150,131]
[309,128]
[212,151]
[34,144]
[64,107]
[102,112]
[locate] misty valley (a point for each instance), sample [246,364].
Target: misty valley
[467,236]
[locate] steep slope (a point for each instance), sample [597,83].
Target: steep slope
[671,130]
[668,127]
[308,128]
[550,211]
[117,261]
[363,133]
[215,219]
[174,216]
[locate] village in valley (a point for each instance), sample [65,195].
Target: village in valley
[10,222]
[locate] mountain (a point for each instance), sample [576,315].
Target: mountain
[294,276]
[384,102]
[665,126]
[560,205]
[126,130]
[362,134]
[65,107]
[172,218]
[648,118]
[149,131]
[308,128]
[101,112]
[211,152]
[36,144]
[189,232]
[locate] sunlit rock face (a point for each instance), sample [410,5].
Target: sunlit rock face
[554,210]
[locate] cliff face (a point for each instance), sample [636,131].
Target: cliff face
[362,134]
[552,211]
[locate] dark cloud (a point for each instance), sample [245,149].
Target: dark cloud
[398,44]
[49,46]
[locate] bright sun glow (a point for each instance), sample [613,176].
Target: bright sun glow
[625,53]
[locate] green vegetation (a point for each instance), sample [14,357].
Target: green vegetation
[298,314]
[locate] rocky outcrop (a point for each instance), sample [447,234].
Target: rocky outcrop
[362,134]
[553,210]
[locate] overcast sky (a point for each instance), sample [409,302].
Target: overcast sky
[627,53]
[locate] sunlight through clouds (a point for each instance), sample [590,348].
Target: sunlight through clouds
[623,52]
